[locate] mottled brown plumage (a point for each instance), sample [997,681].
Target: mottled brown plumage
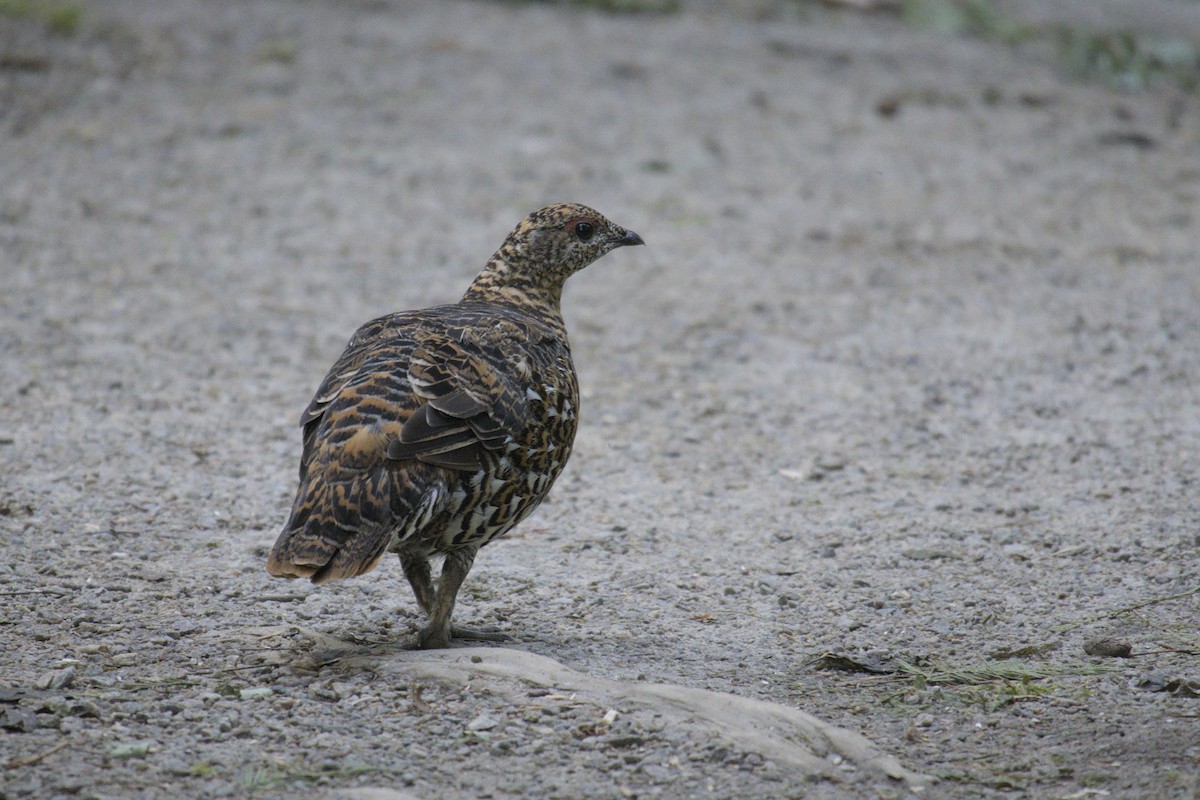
[438,430]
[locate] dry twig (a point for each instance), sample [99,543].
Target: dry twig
[28,761]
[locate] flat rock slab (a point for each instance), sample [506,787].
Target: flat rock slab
[792,738]
[805,746]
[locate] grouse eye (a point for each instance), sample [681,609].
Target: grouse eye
[584,230]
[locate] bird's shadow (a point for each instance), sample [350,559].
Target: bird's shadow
[314,650]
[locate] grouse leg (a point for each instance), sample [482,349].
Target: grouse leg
[416,569]
[439,630]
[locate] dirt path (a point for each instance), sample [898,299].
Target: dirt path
[907,374]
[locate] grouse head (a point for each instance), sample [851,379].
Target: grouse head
[545,249]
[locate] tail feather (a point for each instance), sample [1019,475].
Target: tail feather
[341,525]
[306,553]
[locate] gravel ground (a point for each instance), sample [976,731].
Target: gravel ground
[906,375]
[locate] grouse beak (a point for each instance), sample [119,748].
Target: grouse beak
[629,238]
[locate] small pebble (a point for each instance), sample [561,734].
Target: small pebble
[1109,646]
[482,723]
[130,749]
[657,774]
[1152,682]
[56,678]
[174,766]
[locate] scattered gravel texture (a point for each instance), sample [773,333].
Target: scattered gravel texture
[906,377]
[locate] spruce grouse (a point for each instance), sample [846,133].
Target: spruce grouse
[438,430]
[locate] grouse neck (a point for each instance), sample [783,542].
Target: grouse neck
[503,284]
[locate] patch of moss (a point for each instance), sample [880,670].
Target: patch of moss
[1127,61]
[1123,59]
[614,6]
[59,19]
